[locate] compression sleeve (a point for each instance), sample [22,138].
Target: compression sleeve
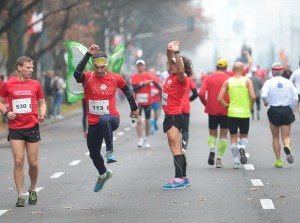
[78,73]
[127,92]
[194,94]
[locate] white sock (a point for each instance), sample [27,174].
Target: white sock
[103,175]
[20,194]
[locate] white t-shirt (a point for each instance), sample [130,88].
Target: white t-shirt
[295,78]
[279,91]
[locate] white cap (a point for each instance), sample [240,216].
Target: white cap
[140,61]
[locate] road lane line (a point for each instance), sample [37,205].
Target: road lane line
[127,129]
[249,167]
[36,189]
[247,155]
[257,182]
[267,204]
[87,153]
[74,162]
[57,175]
[114,138]
[2,212]
[120,133]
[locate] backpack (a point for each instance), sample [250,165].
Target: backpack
[54,85]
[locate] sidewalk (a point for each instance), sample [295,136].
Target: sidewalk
[47,122]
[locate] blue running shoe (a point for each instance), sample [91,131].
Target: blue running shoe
[186,181]
[174,184]
[101,181]
[110,156]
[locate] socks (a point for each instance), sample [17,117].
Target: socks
[211,141]
[222,147]
[180,166]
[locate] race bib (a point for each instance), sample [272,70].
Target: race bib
[99,107]
[21,106]
[143,98]
[164,99]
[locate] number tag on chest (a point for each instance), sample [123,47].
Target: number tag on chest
[99,107]
[164,99]
[143,98]
[21,106]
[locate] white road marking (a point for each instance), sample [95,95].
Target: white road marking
[57,175]
[120,133]
[257,182]
[249,167]
[2,212]
[37,190]
[74,162]
[87,153]
[267,204]
[127,129]
[247,155]
[114,138]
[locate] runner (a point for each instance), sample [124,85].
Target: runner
[217,114]
[141,84]
[295,78]
[156,100]
[257,85]
[171,104]
[280,94]
[186,109]
[100,93]
[242,96]
[24,95]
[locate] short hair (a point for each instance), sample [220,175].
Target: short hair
[21,60]
[99,54]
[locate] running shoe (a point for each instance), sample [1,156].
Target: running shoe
[32,197]
[147,144]
[101,181]
[186,181]
[140,143]
[110,156]
[278,163]
[289,156]
[243,158]
[174,184]
[236,165]
[20,202]
[211,158]
[219,163]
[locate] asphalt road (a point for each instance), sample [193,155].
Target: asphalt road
[257,192]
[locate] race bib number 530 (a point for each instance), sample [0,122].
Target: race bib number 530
[21,106]
[99,107]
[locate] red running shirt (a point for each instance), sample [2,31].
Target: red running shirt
[185,103]
[22,99]
[143,96]
[100,94]
[172,95]
[155,92]
[212,85]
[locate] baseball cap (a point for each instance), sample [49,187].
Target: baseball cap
[277,66]
[140,61]
[221,62]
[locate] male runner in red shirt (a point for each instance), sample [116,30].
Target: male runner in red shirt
[24,94]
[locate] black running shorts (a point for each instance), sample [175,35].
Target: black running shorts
[173,120]
[29,134]
[281,115]
[215,120]
[235,124]
[147,111]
